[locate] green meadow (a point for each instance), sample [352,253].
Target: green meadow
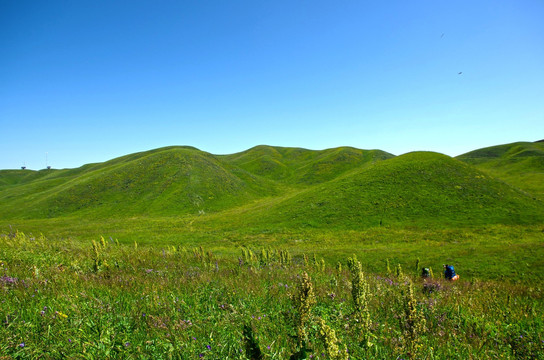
[275,253]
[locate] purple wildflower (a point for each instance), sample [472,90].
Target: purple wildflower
[209,347]
[8,280]
[22,345]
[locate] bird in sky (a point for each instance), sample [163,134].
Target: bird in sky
[459,73]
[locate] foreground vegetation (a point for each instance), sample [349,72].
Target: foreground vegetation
[102,299]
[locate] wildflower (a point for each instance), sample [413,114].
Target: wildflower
[8,280]
[414,323]
[201,355]
[304,301]
[331,343]
[22,345]
[62,315]
[209,347]
[69,340]
[127,344]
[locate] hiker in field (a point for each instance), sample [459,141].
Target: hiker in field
[425,273]
[449,273]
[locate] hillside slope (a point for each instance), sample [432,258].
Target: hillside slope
[343,188]
[168,181]
[414,188]
[520,164]
[296,166]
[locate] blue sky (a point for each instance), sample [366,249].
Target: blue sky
[87,81]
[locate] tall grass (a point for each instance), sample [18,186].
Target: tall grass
[68,299]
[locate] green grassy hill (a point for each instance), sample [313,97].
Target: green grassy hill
[415,188]
[17,177]
[296,166]
[520,164]
[172,181]
[341,188]
[168,181]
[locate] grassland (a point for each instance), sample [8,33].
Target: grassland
[105,300]
[157,210]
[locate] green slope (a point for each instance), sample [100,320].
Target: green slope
[17,177]
[520,164]
[296,166]
[168,181]
[415,188]
[341,188]
[172,181]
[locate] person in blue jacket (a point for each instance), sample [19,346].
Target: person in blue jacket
[449,273]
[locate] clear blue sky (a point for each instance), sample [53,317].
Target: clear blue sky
[87,81]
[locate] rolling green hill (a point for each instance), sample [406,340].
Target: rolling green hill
[172,181]
[301,166]
[342,188]
[168,181]
[520,164]
[415,188]
[17,177]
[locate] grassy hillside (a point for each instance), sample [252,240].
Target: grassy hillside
[520,164]
[172,181]
[297,166]
[17,177]
[264,187]
[415,188]
[169,181]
